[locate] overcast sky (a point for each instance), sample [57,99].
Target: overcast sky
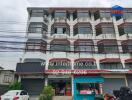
[13,16]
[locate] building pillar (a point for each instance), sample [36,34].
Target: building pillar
[46,81]
[72,84]
[19,78]
[101,88]
[126,81]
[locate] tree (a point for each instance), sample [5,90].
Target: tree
[47,93]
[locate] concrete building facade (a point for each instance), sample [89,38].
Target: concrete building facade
[77,49]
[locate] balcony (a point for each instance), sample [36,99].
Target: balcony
[128,64]
[127,46]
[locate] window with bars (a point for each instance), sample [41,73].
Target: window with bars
[125,29]
[38,45]
[60,45]
[37,13]
[102,14]
[37,28]
[84,46]
[111,66]
[108,48]
[83,15]
[127,14]
[128,65]
[82,30]
[60,14]
[127,47]
[105,29]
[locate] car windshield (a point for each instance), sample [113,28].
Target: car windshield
[12,93]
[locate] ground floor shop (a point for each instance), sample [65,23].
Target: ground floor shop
[79,86]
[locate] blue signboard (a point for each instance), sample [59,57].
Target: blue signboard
[117,11]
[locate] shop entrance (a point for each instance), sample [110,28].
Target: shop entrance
[86,87]
[62,87]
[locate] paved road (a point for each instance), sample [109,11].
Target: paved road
[33,97]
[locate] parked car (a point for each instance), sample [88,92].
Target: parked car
[15,95]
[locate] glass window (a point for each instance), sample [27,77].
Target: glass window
[105,14]
[37,13]
[84,46]
[60,30]
[128,29]
[111,66]
[37,28]
[128,65]
[84,30]
[111,48]
[60,46]
[107,48]
[60,14]
[127,15]
[107,30]
[83,14]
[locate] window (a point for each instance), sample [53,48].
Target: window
[60,30]
[37,28]
[84,30]
[83,15]
[36,13]
[111,66]
[60,45]
[36,45]
[60,14]
[102,14]
[128,29]
[108,47]
[125,29]
[105,29]
[127,47]
[105,14]
[127,15]
[128,65]
[84,46]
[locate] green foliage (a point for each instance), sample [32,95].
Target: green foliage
[99,97]
[15,86]
[47,93]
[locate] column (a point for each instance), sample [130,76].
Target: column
[19,78]
[72,83]
[101,88]
[46,81]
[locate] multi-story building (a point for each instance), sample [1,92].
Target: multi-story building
[77,50]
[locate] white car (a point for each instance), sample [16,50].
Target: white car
[15,95]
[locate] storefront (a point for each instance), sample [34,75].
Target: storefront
[61,84]
[86,87]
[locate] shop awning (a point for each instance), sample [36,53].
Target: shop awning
[128,60]
[86,59]
[110,60]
